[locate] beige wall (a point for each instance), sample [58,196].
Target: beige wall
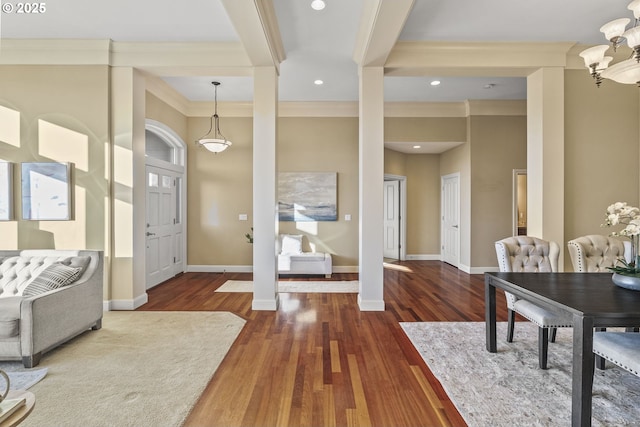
[498,145]
[416,129]
[423,204]
[61,114]
[160,111]
[219,189]
[422,172]
[57,113]
[601,152]
[325,145]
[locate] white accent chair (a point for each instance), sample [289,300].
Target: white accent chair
[526,254]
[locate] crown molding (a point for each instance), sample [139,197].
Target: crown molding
[318,109]
[55,51]
[496,108]
[167,94]
[424,109]
[502,59]
[186,58]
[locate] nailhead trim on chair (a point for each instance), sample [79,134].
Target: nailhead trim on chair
[617,362]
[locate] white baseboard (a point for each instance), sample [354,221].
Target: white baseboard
[477,270]
[219,268]
[249,269]
[265,304]
[370,305]
[125,304]
[424,257]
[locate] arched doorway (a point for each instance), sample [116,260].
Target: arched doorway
[165,209]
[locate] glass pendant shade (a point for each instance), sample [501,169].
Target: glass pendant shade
[215,145]
[633,37]
[594,55]
[614,29]
[635,7]
[626,72]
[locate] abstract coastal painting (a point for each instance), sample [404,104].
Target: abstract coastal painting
[307,196]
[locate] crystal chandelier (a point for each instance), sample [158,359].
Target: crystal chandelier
[627,71]
[217,142]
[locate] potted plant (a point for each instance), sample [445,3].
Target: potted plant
[627,274]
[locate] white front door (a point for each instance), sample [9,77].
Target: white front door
[451,219]
[392,219]
[164,228]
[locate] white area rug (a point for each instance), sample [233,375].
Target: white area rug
[326,286]
[140,369]
[507,388]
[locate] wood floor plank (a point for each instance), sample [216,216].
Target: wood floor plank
[319,361]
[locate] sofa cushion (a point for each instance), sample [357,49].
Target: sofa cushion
[10,316]
[53,277]
[291,244]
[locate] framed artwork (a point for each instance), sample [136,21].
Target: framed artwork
[307,196]
[46,191]
[6,191]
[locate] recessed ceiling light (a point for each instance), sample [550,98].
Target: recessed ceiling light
[318,82]
[318,4]
[417,146]
[435,83]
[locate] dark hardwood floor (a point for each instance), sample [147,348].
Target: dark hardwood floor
[320,361]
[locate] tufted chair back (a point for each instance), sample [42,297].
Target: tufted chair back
[526,254]
[595,253]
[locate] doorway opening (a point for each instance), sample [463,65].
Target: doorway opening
[519,202]
[395,226]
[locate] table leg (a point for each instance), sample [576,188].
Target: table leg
[582,376]
[490,314]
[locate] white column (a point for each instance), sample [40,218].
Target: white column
[128,290]
[265,219]
[545,156]
[371,164]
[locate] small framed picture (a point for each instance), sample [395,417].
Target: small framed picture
[46,191]
[6,191]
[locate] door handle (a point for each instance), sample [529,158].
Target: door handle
[454,226]
[150,234]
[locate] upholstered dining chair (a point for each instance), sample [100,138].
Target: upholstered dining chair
[595,253]
[530,255]
[621,348]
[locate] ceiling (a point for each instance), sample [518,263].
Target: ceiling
[320,44]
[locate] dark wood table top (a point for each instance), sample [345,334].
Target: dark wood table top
[588,294]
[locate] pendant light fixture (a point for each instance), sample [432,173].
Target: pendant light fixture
[616,32]
[215,142]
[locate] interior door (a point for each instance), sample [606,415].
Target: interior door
[392,219]
[451,219]
[161,225]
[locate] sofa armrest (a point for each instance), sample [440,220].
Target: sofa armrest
[53,317]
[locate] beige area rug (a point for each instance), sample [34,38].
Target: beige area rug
[507,388]
[326,286]
[140,369]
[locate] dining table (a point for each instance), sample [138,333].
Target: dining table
[592,299]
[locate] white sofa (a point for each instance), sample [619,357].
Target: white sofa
[46,298]
[292,260]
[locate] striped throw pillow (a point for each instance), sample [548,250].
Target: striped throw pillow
[53,277]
